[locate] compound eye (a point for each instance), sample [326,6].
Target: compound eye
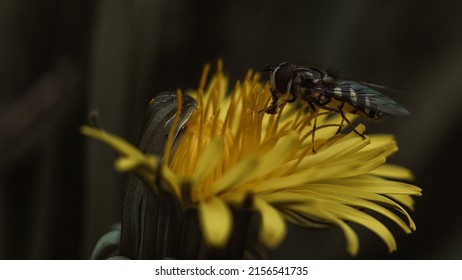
[282,76]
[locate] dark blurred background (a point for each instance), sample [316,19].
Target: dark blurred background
[59,59]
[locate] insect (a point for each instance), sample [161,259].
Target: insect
[322,89]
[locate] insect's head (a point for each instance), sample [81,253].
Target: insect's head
[280,77]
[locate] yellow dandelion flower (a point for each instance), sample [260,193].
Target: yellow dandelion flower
[229,155]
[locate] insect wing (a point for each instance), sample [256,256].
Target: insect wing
[364,98]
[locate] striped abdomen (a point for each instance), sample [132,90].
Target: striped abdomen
[363,99]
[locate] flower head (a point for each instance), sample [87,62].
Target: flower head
[231,155]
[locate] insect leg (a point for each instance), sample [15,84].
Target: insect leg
[339,109]
[271,109]
[292,100]
[341,123]
[315,111]
[340,126]
[344,118]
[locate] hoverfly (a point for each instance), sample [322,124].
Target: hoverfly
[324,90]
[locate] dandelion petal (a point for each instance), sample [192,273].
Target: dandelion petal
[120,145]
[208,159]
[369,222]
[124,164]
[394,172]
[277,155]
[216,221]
[240,173]
[273,229]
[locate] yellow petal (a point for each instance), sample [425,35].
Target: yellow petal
[235,198]
[393,172]
[392,188]
[124,164]
[337,150]
[131,158]
[216,221]
[273,229]
[380,140]
[350,214]
[208,160]
[172,179]
[350,236]
[240,173]
[284,197]
[405,200]
[364,204]
[374,184]
[272,159]
[321,172]
[350,195]
[320,210]
[120,145]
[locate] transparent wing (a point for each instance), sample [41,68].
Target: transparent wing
[361,96]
